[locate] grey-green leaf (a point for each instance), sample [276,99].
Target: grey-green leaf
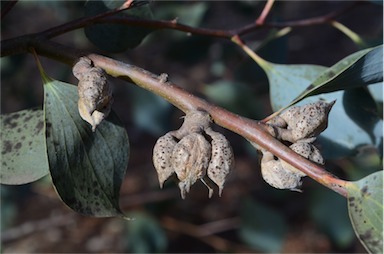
[87,168]
[23,153]
[284,81]
[365,206]
[262,228]
[362,68]
[113,37]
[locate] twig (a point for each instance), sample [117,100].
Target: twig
[218,243]
[251,130]
[267,8]
[8,46]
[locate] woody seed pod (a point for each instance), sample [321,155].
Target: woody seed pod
[222,159]
[95,93]
[190,159]
[303,122]
[276,175]
[162,153]
[308,151]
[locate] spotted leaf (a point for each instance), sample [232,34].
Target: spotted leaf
[23,153]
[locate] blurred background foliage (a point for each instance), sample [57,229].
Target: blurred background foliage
[250,216]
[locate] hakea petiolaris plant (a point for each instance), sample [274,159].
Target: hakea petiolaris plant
[77,134]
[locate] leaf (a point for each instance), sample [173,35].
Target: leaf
[23,151]
[338,226]
[144,234]
[113,37]
[362,68]
[87,168]
[150,112]
[284,81]
[262,228]
[365,206]
[234,96]
[361,108]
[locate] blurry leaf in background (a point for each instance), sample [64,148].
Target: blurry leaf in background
[234,96]
[150,112]
[365,206]
[284,81]
[376,91]
[188,13]
[144,234]
[114,37]
[361,108]
[188,50]
[23,152]
[274,48]
[87,168]
[262,228]
[8,208]
[330,213]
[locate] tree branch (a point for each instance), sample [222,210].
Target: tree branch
[251,130]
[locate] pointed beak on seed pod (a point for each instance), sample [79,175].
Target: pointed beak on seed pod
[191,156]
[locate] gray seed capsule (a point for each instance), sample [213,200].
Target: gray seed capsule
[222,159]
[190,159]
[162,152]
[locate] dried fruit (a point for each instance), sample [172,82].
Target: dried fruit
[162,153]
[299,125]
[190,155]
[190,159]
[95,93]
[302,122]
[278,176]
[222,159]
[308,151]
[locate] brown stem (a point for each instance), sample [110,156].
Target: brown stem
[8,46]
[267,8]
[251,130]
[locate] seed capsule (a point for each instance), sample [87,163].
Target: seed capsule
[190,159]
[95,93]
[303,122]
[276,175]
[308,151]
[222,159]
[162,152]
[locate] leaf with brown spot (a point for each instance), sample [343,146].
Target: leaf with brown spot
[23,151]
[365,206]
[87,168]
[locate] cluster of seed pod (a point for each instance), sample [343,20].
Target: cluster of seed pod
[299,126]
[95,93]
[193,152]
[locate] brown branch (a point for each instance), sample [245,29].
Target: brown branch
[267,8]
[161,24]
[251,130]
[218,243]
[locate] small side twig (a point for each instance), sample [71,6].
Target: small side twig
[218,243]
[267,8]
